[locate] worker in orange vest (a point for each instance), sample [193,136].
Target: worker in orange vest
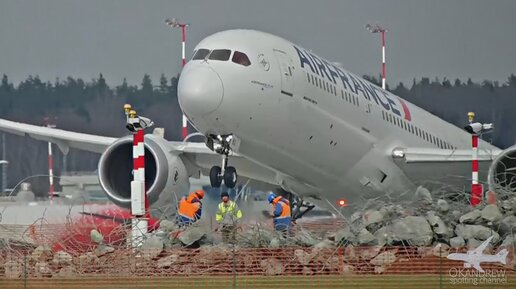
[189,209]
[280,212]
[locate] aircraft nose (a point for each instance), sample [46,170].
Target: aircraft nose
[200,91]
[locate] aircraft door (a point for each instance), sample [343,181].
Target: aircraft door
[287,71]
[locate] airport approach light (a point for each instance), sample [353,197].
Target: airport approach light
[174,23]
[139,202]
[342,203]
[51,194]
[475,128]
[375,28]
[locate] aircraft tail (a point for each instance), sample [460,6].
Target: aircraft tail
[502,255]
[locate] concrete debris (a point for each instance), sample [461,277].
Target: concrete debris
[307,271]
[213,255]
[491,213]
[348,269]
[443,206]
[66,272]
[372,217]
[413,229]
[379,269]
[13,269]
[441,250]
[365,237]
[62,259]
[457,242]
[88,261]
[191,235]
[41,253]
[256,237]
[476,232]
[304,238]
[369,253]
[423,194]
[470,217]
[302,257]
[168,226]
[152,247]
[275,243]
[102,250]
[42,269]
[508,225]
[272,266]
[167,261]
[509,242]
[96,237]
[383,259]
[474,243]
[344,237]
[383,236]
[437,223]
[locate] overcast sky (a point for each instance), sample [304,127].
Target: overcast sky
[453,39]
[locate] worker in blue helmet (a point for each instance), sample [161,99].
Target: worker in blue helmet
[280,212]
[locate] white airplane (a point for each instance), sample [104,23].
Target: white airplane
[287,118]
[473,258]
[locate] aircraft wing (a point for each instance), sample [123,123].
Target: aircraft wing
[196,155]
[423,165]
[64,139]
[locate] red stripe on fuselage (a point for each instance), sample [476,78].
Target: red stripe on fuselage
[405,110]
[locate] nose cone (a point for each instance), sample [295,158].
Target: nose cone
[200,91]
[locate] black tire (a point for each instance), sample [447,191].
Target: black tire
[215,177]
[230,177]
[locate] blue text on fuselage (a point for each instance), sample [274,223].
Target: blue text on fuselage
[333,73]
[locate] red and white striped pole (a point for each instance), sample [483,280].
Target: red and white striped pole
[375,28]
[476,188]
[50,172]
[383,58]
[176,24]
[139,201]
[51,189]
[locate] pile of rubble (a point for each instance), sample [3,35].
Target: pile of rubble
[429,226]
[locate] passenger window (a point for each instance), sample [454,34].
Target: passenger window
[220,54]
[200,54]
[242,59]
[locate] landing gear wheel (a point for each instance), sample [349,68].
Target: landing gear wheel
[230,177]
[215,177]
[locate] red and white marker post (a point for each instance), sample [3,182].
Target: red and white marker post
[176,24]
[476,188]
[139,201]
[51,189]
[379,29]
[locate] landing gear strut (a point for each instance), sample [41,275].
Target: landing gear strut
[228,174]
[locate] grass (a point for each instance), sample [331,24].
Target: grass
[259,282]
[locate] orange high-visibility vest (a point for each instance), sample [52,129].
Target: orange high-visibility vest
[285,207]
[188,209]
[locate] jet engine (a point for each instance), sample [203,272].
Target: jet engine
[502,173]
[165,173]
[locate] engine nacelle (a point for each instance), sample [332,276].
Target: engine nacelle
[165,173]
[502,173]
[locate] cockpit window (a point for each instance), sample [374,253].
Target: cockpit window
[241,58]
[220,54]
[200,54]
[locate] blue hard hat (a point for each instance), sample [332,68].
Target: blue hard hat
[271,197]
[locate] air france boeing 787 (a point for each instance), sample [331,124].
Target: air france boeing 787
[277,113]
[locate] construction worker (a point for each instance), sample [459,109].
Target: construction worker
[227,216]
[280,212]
[189,209]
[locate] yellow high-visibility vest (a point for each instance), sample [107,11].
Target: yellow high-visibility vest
[230,208]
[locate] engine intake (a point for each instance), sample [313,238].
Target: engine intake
[165,172]
[502,173]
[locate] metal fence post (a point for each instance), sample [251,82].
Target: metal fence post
[234,267]
[440,267]
[25,271]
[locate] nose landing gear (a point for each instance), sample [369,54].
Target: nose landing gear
[228,174]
